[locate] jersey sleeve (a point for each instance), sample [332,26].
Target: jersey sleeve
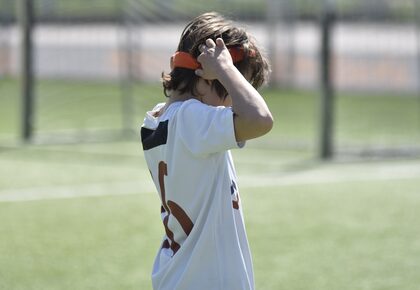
[206,129]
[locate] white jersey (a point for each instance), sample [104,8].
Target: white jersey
[205,244]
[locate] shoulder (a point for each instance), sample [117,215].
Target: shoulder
[205,129]
[197,115]
[156,109]
[193,104]
[153,113]
[150,119]
[194,108]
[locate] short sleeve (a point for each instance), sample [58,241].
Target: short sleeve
[206,129]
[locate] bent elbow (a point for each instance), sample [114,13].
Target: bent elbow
[265,124]
[253,127]
[262,126]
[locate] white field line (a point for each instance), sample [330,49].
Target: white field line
[76,190]
[331,176]
[327,175]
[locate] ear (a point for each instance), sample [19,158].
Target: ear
[171,62]
[203,87]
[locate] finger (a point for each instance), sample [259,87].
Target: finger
[210,43]
[199,72]
[200,57]
[220,43]
[202,48]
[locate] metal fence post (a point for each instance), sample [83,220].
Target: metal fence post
[327,92]
[272,22]
[26,10]
[417,32]
[128,23]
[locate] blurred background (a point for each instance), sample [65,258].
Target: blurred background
[363,76]
[338,177]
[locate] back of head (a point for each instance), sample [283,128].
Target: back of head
[213,25]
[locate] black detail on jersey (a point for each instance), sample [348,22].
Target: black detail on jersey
[153,138]
[233,188]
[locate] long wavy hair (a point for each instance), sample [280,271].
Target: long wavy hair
[213,25]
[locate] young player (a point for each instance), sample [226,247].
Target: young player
[212,107]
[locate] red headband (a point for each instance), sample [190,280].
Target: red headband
[185,60]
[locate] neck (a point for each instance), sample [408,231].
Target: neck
[176,96]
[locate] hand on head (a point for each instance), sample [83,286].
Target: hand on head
[213,58]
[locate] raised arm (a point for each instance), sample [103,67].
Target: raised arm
[252,118]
